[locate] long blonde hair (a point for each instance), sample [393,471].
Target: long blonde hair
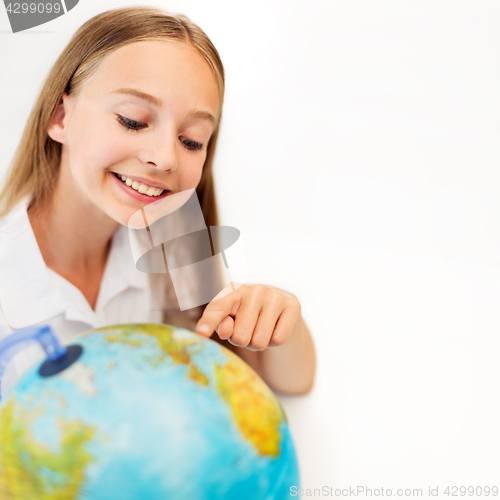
[35,165]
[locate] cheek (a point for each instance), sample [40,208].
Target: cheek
[192,175]
[96,151]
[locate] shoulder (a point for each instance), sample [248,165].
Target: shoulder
[15,221]
[27,295]
[20,207]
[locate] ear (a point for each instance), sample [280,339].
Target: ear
[56,128]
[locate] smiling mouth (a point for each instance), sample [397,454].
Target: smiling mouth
[138,186]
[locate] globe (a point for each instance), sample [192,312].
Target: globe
[149,412]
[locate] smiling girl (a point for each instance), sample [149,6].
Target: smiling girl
[128,115]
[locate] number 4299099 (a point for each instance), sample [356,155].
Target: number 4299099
[34,8]
[471,491]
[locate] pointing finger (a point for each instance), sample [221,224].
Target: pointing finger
[215,312]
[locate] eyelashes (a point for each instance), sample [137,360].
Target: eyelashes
[136,126]
[131,124]
[193,145]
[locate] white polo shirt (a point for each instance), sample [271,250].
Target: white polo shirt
[32,294]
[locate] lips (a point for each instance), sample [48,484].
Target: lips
[136,195]
[144,180]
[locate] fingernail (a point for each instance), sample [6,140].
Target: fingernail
[203,328]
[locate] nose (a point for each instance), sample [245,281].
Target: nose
[161,151]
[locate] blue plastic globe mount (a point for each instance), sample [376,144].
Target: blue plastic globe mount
[58,359]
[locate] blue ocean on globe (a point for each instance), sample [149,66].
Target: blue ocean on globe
[147,412]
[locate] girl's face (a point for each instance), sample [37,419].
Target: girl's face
[146,115]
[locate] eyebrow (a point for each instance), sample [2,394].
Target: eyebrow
[158,103]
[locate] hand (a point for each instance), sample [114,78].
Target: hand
[253,316]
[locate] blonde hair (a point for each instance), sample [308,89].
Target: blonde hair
[35,165]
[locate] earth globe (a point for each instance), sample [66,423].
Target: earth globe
[141,411]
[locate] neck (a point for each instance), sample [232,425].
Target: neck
[73,235]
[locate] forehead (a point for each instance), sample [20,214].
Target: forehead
[169,70]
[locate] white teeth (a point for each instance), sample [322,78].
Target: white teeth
[142,188]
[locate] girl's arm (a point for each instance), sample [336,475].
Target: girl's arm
[265,326]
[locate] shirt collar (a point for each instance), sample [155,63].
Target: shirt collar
[27,293]
[120,253]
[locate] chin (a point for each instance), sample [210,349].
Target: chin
[119,213]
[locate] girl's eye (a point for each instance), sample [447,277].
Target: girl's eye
[192,145]
[131,124]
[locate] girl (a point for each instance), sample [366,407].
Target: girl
[129,113]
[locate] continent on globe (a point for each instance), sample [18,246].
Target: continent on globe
[147,411]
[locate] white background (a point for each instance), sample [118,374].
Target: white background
[359,156]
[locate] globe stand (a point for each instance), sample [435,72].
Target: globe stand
[59,357]
[52,367]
